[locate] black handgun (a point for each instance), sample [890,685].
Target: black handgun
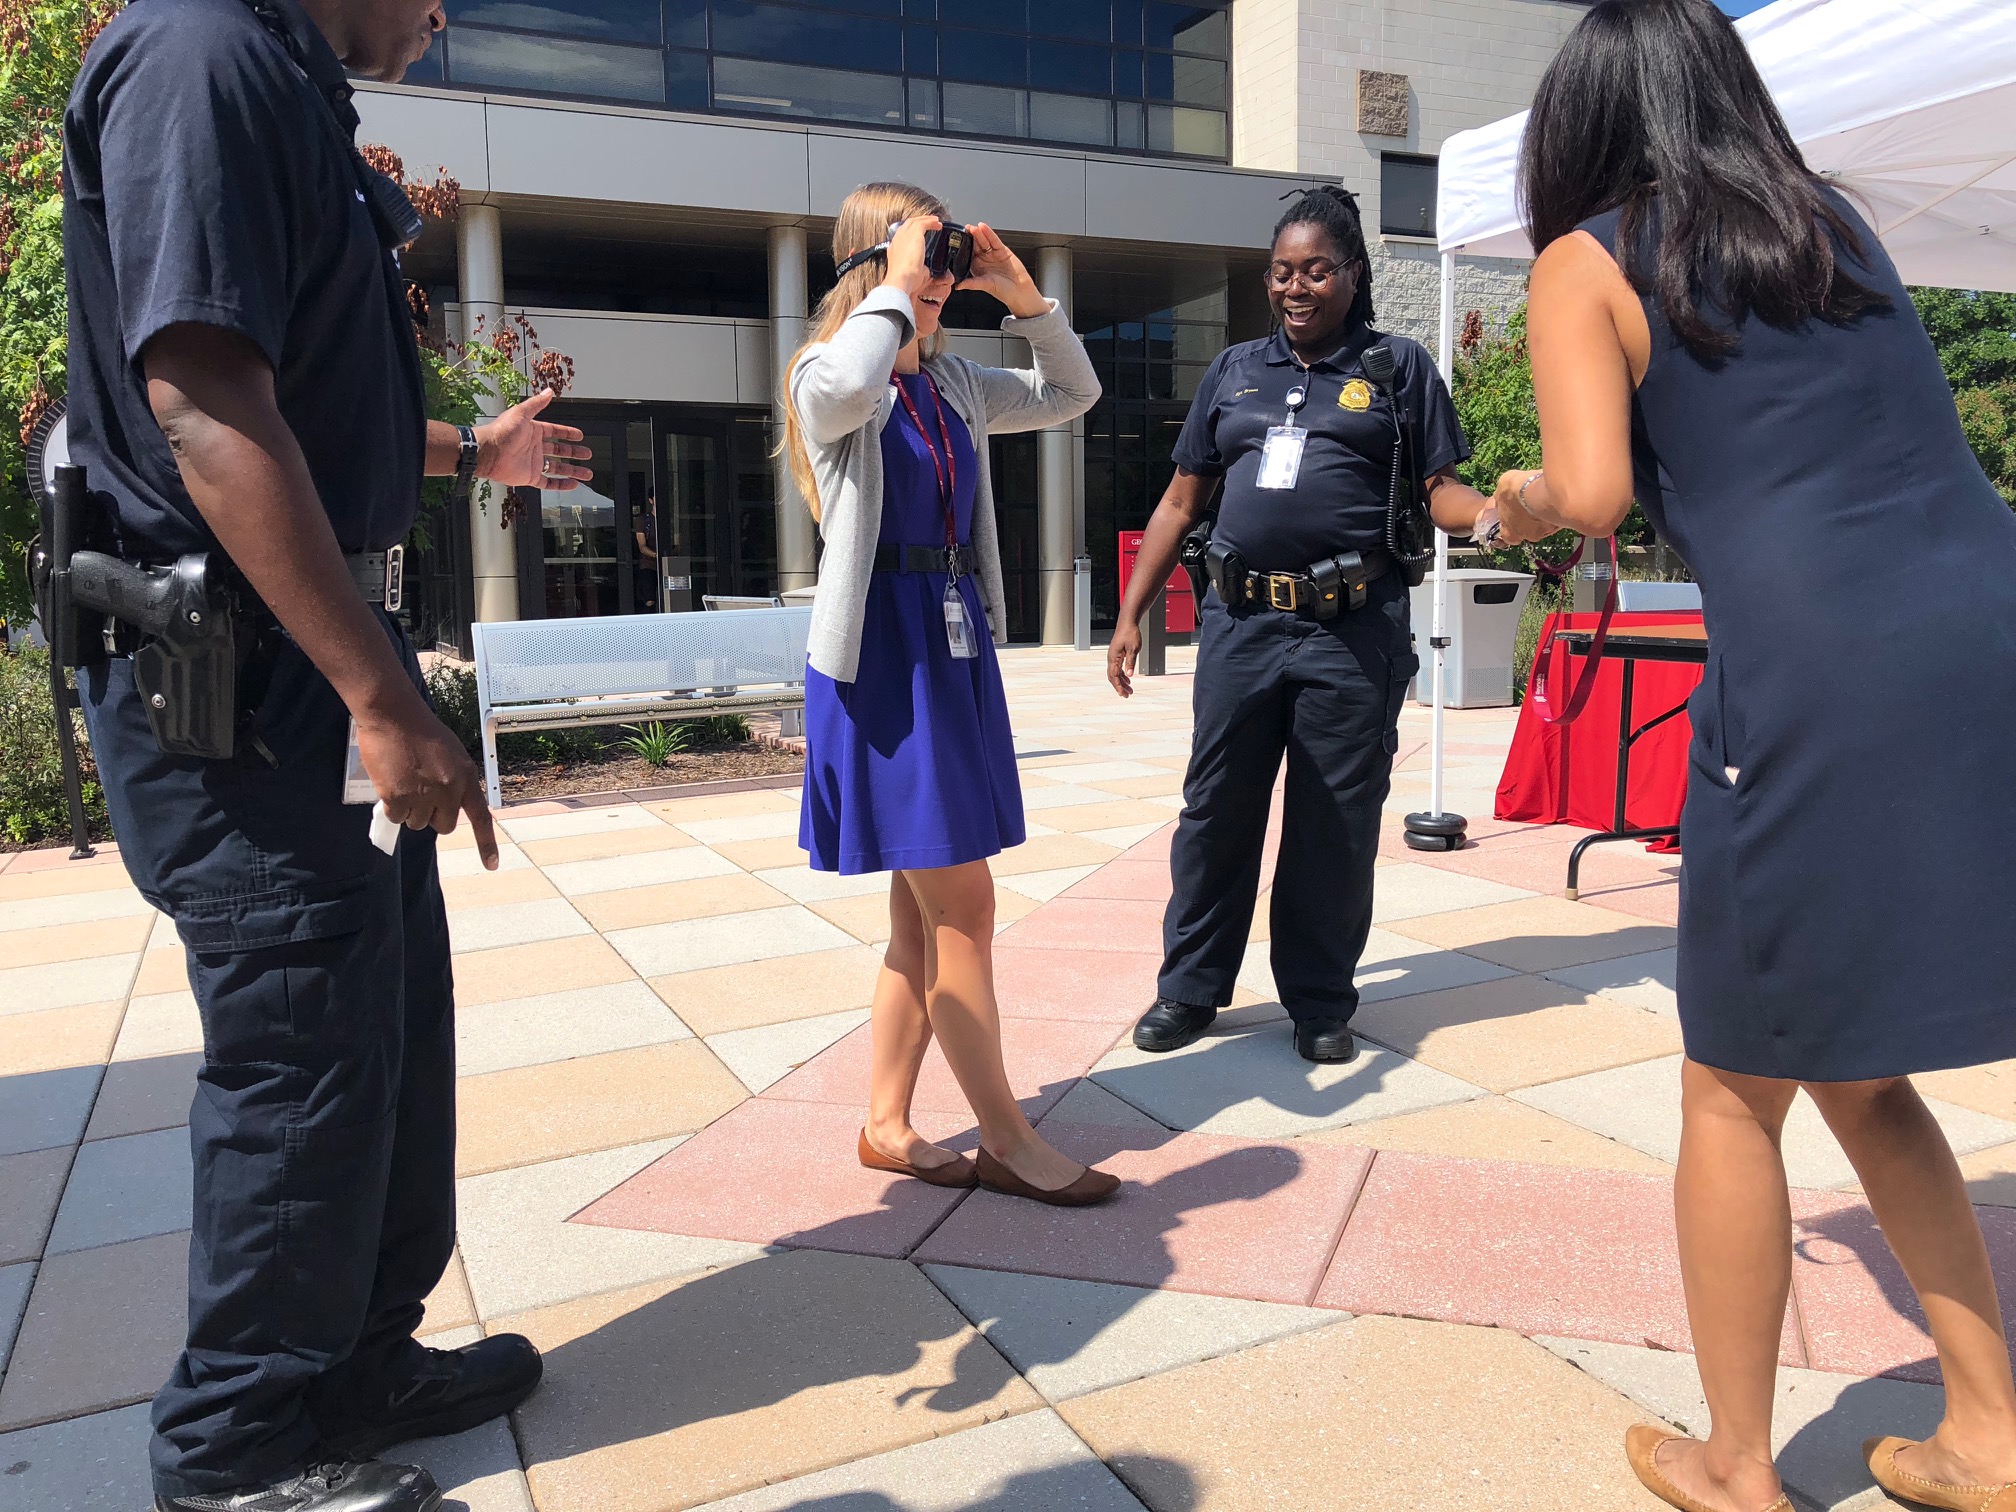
[187,662]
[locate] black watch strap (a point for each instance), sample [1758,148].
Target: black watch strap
[465,463]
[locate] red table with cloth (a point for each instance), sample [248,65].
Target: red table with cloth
[1567,774]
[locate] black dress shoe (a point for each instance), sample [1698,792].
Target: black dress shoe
[339,1486]
[1325,1040]
[1171,1025]
[452,1392]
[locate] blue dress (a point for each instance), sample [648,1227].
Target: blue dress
[912,765]
[1849,840]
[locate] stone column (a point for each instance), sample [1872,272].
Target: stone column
[1059,508]
[493,547]
[797,551]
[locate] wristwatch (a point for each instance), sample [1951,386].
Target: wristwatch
[465,463]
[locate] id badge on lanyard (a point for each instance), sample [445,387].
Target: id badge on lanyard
[958,628]
[1281,457]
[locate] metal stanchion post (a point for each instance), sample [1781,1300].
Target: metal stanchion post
[1081,603]
[1155,636]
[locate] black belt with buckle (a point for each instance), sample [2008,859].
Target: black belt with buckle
[890,557]
[380,576]
[1326,589]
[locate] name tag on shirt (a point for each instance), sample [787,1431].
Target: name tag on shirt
[1281,459]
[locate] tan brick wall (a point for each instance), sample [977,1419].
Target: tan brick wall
[1265,110]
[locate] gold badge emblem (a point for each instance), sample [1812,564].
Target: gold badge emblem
[1357,395]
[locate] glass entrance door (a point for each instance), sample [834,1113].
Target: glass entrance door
[578,535]
[680,505]
[689,519]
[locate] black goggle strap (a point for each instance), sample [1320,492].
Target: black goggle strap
[880,249]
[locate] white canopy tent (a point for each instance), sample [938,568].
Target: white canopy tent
[1909,105]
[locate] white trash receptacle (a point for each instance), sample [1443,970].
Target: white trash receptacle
[1482,625]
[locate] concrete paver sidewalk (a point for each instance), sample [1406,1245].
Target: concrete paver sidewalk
[1442,1275]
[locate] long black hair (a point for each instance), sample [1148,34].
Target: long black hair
[1335,209]
[1660,98]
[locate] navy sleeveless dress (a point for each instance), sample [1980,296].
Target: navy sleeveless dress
[1848,879]
[912,765]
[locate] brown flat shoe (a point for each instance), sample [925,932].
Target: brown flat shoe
[1091,1186]
[1641,1448]
[956,1172]
[1882,1456]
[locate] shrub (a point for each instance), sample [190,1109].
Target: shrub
[452,690]
[33,806]
[655,743]
[718,729]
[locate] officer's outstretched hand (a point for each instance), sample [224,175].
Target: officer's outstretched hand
[1121,657]
[519,450]
[423,775]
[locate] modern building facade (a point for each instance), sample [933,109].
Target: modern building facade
[651,185]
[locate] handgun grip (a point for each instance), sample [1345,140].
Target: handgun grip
[171,603]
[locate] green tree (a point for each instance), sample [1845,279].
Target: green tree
[1975,336]
[42,43]
[1493,390]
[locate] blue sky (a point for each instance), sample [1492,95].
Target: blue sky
[1742,7]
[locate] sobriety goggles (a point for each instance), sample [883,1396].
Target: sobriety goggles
[949,249]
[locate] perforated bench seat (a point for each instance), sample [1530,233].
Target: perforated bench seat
[577,673]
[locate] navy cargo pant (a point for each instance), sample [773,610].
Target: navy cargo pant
[323,1125]
[1327,695]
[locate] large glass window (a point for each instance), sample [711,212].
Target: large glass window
[1133,75]
[1150,342]
[1406,195]
[553,65]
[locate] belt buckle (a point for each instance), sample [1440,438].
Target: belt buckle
[1281,591]
[395,579]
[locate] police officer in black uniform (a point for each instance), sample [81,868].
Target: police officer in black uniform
[1305,646]
[244,383]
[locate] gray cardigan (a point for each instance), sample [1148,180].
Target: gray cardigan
[844,395]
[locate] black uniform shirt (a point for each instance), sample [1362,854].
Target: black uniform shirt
[1339,500]
[208,179]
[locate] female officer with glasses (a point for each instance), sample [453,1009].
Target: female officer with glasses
[1305,646]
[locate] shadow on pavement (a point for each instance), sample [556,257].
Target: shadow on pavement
[1083,1487]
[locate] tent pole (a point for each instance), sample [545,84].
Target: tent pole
[1436,830]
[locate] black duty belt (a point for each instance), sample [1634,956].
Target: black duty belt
[890,557]
[380,576]
[1325,589]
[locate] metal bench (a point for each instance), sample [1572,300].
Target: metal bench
[559,674]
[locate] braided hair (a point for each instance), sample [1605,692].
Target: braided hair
[1335,209]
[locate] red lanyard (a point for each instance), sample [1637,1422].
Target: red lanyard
[947,468]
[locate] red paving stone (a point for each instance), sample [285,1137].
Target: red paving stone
[1133,881]
[1069,923]
[1230,1217]
[1857,1310]
[56,857]
[1107,988]
[1045,1057]
[1539,1249]
[773,1172]
[1154,848]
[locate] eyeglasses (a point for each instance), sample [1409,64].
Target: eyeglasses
[1314,279]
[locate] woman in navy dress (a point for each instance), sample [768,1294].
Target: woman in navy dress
[1716,330]
[910,762]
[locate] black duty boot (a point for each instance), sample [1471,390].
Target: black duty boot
[1325,1040]
[1171,1025]
[339,1486]
[453,1391]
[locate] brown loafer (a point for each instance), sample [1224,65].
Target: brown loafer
[956,1172]
[1882,1456]
[1092,1185]
[1641,1448]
